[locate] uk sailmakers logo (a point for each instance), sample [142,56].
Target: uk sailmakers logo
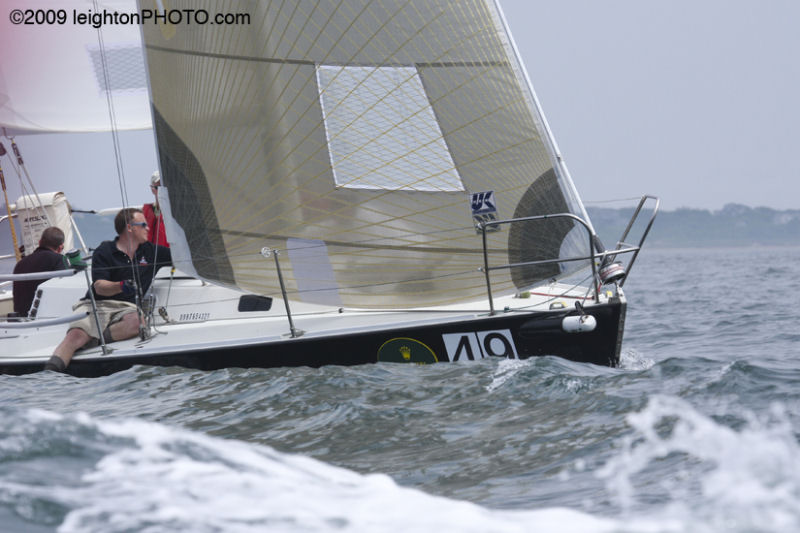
[484,209]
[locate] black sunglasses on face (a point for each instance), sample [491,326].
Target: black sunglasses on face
[141,224]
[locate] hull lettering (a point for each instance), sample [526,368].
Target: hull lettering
[471,346]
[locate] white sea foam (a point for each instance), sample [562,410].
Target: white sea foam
[748,480]
[175,480]
[631,359]
[506,369]
[156,478]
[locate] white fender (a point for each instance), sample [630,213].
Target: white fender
[578,323]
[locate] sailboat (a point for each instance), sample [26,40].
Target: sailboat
[355,182]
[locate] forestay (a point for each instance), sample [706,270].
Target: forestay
[365,141]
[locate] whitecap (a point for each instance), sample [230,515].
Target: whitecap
[631,359]
[176,480]
[506,369]
[748,480]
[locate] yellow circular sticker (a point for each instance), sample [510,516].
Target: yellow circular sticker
[406,350]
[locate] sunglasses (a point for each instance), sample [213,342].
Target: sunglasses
[140,224]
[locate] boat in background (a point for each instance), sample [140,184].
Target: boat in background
[59,80]
[352,182]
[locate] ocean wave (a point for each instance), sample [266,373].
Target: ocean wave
[156,478]
[711,476]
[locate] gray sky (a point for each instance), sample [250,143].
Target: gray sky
[691,100]
[694,101]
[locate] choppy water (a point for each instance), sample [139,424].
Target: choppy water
[698,431]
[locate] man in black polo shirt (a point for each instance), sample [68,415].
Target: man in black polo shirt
[47,257]
[120,268]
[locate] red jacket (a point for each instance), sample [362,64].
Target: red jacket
[156,232]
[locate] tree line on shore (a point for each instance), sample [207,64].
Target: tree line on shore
[733,225]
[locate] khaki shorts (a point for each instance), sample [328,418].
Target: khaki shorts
[108,312]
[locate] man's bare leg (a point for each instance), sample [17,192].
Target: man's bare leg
[126,328]
[63,353]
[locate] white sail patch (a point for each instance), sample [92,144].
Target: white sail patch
[382,131]
[313,272]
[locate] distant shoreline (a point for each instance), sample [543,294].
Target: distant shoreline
[734,225]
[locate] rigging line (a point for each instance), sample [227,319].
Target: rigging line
[613,200]
[344,288]
[18,164]
[169,286]
[24,223]
[17,253]
[118,157]
[372,243]
[306,62]
[112,117]
[39,204]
